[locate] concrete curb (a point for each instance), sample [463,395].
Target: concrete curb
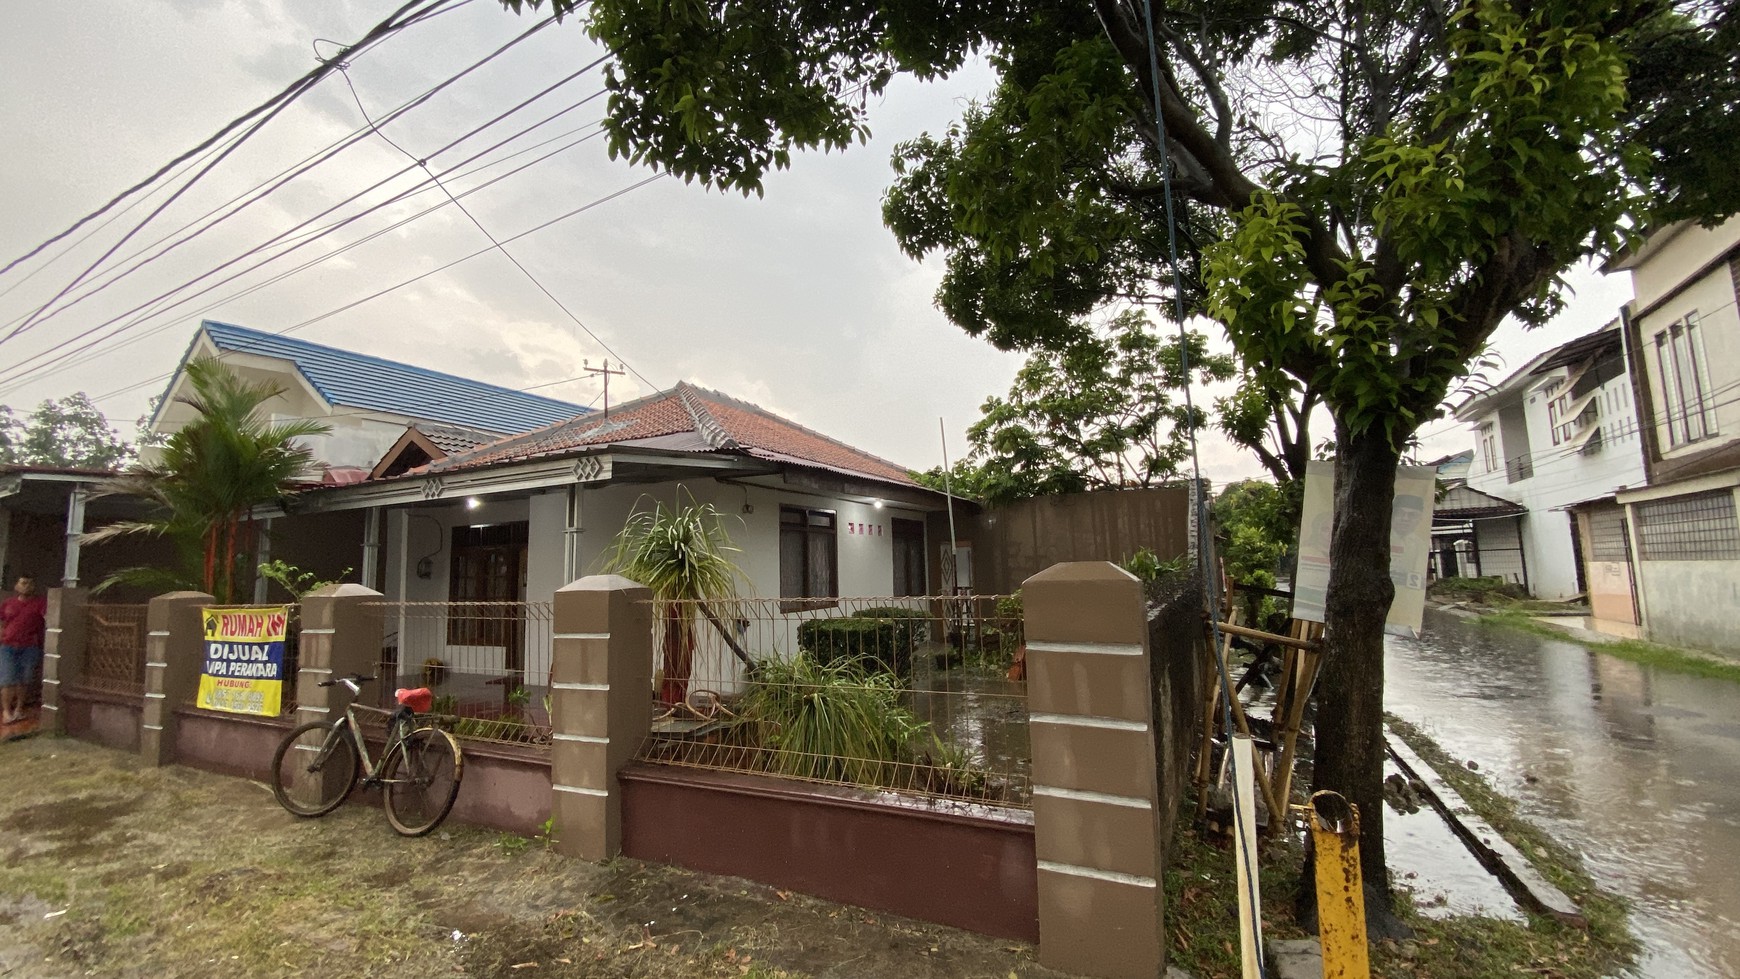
[1505,861]
[1297,958]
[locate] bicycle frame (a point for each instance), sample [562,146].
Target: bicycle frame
[399,724]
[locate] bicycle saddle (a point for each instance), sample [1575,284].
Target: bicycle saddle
[419,699]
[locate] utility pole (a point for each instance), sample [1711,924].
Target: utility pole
[605,372]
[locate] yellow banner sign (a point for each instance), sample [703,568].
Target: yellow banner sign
[244,660]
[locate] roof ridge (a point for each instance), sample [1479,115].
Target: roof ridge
[708,427]
[765,413]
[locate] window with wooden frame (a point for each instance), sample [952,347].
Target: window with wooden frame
[1679,353]
[809,566]
[489,565]
[908,557]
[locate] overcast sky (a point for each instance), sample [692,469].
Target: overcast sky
[798,301]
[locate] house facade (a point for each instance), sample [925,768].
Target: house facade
[1558,434]
[1683,334]
[514,520]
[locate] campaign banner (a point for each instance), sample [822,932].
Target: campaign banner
[1410,543]
[244,660]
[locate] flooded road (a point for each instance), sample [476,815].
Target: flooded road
[1637,769]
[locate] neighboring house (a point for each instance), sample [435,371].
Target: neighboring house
[367,401]
[1558,434]
[515,519]
[1683,335]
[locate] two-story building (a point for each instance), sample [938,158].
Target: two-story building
[1683,335]
[1554,436]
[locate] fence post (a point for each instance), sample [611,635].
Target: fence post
[174,653]
[63,650]
[339,637]
[601,707]
[1097,818]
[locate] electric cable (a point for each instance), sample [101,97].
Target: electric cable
[345,74]
[85,354]
[424,275]
[1210,580]
[28,364]
[266,112]
[356,137]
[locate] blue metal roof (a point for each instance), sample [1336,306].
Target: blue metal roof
[360,381]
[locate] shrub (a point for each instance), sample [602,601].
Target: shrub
[912,626]
[829,721]
[869,643]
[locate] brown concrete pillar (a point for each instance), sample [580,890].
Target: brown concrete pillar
[1097,822]
[601,707]
[174,653]
[340,635]
[63,651]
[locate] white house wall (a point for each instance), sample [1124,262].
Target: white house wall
[1712,298]
[1497,540]
[1561,477]
[1692,603]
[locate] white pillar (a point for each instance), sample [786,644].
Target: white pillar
[262,554]
[371,560]
[75,530]
[571,537]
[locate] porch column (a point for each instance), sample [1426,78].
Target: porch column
[262,554]
[174,653]
[601,707]
[1096,812]
[571,536]
[63,652]
[371,551]
[340,636]
[75,531]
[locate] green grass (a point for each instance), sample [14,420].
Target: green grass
[1649,654]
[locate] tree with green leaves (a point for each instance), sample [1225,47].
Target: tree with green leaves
[1360,192]
[1100,413]
[212,473]
[64,433]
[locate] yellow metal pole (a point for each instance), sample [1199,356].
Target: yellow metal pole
[1340,892]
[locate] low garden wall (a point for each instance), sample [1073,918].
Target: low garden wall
[104,718]
[968,866]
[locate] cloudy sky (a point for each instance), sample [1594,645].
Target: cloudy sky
[798,301]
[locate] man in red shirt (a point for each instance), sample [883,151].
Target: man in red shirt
[22,624]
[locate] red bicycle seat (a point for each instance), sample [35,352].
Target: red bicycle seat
[418,699]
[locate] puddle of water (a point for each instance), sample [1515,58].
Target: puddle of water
[1428,859]
[1637,770]
[979,710]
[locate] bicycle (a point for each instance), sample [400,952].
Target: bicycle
[419,769]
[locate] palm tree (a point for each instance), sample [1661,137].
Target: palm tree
[683,555]
[211,475]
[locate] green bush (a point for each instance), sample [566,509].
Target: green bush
[830,721]
[912,625]
[873,643]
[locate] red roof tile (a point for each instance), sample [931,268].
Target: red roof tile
[718,422]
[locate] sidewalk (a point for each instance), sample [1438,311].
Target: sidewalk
[112,869]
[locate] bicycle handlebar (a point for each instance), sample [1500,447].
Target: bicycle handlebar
[353,681]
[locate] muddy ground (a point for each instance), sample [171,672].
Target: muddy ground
[112,869]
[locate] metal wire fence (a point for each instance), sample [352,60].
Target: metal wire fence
[918,696]
[115,649]
[488,664]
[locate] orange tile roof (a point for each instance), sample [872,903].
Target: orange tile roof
[719,423]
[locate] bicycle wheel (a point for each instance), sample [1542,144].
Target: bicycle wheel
[313,769]
[421,776]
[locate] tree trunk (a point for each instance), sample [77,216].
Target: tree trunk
[1350,744]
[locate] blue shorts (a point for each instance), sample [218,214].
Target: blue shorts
[18,664]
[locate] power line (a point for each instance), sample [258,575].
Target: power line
[73,358]
[262,191]
[266,112]
[424,275]
[345,74]
[23,369]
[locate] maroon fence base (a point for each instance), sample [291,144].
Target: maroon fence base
[229,744]
[107,719]
[965,866]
